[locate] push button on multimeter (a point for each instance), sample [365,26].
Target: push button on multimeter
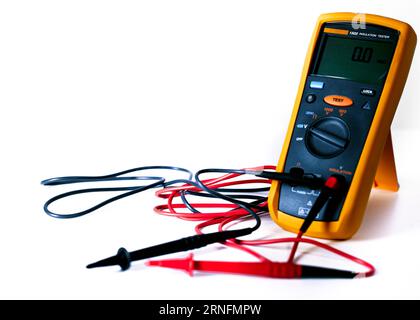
[310,98]
[338,101]
[327,137]
[316,85]
[368,92]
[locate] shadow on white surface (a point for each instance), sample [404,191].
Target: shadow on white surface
[379,215]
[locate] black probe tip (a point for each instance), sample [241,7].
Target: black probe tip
[122,258]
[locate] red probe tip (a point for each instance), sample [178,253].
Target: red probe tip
[186,264]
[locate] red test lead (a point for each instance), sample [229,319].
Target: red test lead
[267,268]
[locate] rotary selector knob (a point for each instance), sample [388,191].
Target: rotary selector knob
[327,137]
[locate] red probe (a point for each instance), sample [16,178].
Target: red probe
[283,270]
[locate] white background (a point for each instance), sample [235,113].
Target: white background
[93,87]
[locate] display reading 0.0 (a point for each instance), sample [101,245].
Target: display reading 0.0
[365,61]
[361,54]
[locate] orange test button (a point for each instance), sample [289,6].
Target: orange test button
[338,101]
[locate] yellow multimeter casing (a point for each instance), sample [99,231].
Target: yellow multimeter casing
[353,77]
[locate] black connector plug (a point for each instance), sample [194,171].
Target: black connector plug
[296,176]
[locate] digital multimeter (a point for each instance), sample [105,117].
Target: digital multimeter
[352,80]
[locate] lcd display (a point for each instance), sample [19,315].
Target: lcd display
[365,61]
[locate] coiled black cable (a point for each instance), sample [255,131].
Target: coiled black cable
[158,182]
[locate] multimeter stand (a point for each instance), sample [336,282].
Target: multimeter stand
[386,173]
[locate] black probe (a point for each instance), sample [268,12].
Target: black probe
[123,258]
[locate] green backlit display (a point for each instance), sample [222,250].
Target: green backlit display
[363,61]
